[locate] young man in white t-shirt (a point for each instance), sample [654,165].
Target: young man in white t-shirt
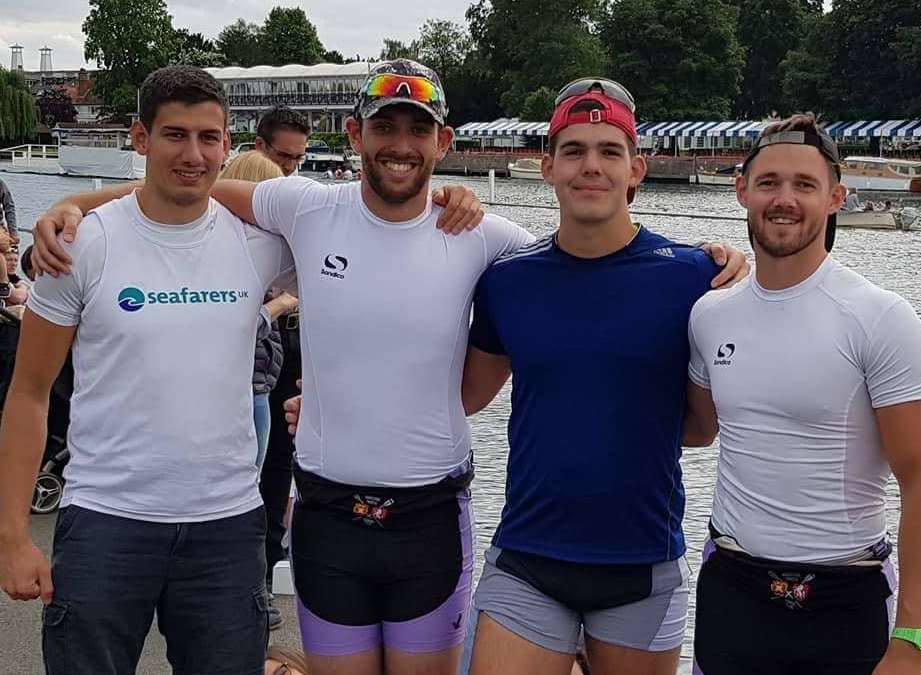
[812,376]
[161,511]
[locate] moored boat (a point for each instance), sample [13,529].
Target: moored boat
[527,168]
[870,220]
[724,175]
[881,173]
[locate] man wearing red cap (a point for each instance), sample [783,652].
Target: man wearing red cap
[592,321]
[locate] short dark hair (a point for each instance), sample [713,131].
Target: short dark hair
[808,123]
[26,261]
[586,106]
[182,84]
[281,118]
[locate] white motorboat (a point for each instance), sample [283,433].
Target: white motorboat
[99,153]
[881,173]
[527,168]
[869,220]
[724,175]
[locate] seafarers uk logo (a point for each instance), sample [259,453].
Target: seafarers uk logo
[133,299]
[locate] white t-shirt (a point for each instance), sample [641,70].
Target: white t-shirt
[161,415]
[385,310]
[796,375]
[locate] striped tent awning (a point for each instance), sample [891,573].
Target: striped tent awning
[874,128]
[729,129]
[502,127]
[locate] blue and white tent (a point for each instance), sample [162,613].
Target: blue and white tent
[502,127]
[874,128]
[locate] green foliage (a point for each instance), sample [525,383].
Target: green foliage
[443,45]
[538,105]
[528,44]
[767,31]
[17,108]
[238,43]
[680,59]
[395,49]
[129,39]
[55,106]
[333,56]
[193,49]
[860,61]
[288,36]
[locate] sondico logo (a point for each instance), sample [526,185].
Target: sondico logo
[334,266]
[132,299]
[724,354]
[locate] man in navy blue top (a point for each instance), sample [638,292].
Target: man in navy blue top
[592,322]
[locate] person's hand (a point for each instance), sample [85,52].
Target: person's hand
[732,260]
[47,253]
[25,573]
[462,209]
[288,301]
[293,413]
[5,241]
[901,658]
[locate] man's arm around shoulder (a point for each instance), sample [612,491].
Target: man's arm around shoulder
[43,346]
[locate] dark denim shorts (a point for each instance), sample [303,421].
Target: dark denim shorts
[205,581]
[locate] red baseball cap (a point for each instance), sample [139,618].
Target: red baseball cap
[612,112]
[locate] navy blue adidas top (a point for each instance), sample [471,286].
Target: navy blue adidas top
[599,355]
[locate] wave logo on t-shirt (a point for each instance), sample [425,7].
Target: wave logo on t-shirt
[334,266]
[131,299]
[724,354]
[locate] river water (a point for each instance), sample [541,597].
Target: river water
[889,259]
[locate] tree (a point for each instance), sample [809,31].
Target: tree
[238,43]
[538,105]
[17,108]
[442,46]
[568,44]
[333,56]
[395,49]
[768,29]
[865,53]
[129,39]
[55,106]
[194,49]
[289,37]
[860,61]
[680,59]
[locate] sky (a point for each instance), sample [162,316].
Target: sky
[350,26]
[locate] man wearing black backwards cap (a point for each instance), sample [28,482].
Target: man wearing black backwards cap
[812,376]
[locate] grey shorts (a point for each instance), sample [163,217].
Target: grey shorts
[655,623]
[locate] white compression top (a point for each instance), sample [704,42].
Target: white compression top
[161,415]
[385,310]
[796,375]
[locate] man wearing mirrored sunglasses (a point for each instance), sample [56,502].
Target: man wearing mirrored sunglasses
[381,538]
[592,323]
[812,375]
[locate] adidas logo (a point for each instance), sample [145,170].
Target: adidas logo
[666,252]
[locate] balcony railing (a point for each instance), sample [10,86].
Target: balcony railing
[318,100]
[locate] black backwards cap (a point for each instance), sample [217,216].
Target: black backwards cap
[818,139]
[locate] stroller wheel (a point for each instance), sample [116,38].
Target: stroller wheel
[48,491]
